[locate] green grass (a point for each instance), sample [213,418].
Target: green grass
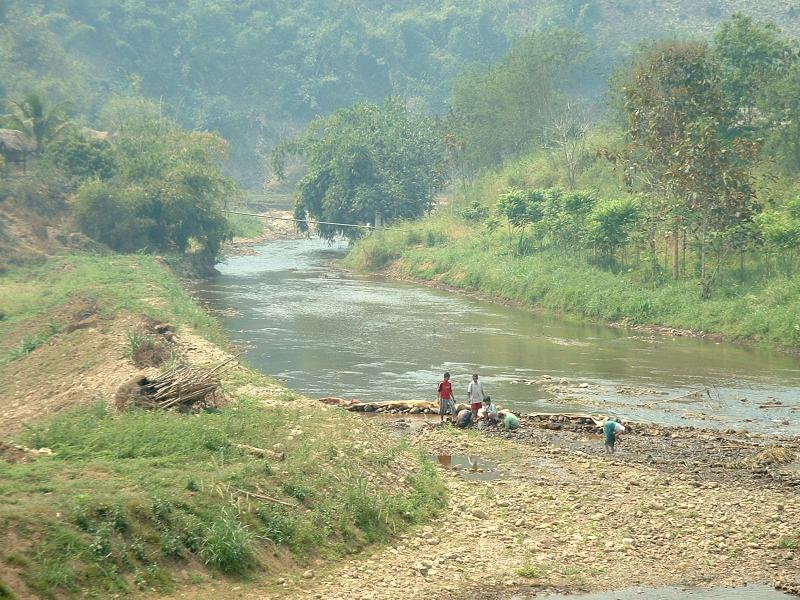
[788,543]
[766,308]
[29,343]
[130,499]
[243,226]
[113,506]
[136,283]
[531,571]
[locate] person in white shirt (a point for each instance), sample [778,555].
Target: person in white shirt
[489,412]
[476,394]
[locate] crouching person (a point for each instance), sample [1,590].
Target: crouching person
[463,419]
[509,420]
[489,414]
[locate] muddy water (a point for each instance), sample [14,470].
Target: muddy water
[473,468]
[327,333]
[754,592]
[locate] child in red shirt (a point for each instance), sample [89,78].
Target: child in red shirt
[444,395]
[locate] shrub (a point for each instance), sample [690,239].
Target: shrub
[82,157]
[109,215]
[146,350]
[226,544]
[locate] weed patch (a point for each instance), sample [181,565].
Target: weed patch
[140,492]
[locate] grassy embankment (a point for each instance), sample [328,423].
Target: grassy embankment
[142,500]
[245,226]
[447,249]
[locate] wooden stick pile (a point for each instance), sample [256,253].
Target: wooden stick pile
[182,385]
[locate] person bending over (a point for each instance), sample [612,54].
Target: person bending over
[509,420]
[463,419]
[612,430]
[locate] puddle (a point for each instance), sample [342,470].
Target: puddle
[473,468]
[750,592]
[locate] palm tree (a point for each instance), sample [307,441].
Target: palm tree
[38,121]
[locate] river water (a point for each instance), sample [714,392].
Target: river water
[327,333]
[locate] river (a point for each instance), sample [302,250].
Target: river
[327,333]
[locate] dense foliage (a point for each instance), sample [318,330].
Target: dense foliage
[146,185]
[257,69]
[166,192]
[699,128]
[504,110]
[366,165]
[679,207]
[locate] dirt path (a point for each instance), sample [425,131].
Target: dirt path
[553,516]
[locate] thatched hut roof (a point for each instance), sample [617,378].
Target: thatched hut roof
[16,141]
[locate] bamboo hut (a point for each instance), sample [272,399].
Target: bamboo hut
[15,146]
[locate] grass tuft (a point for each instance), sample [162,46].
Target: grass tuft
[227,544]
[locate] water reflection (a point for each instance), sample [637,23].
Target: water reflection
[326,333]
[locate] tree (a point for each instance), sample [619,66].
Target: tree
[39,121]
[167,192]
[750,55]
[780,104]
[610,225]
[683,145]
[566,136]
[366,164]
[504,110]
[82,156]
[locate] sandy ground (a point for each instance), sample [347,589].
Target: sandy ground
[84,363]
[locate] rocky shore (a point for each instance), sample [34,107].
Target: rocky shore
[554,513]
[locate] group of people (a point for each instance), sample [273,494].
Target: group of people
[481,408]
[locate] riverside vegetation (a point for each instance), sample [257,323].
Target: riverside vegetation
[254,71]
[560,202]
[141,500]
[678,209]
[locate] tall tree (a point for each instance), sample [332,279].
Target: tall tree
[504,110]
[365,164]
[683,143]
[750,55]
[780,105]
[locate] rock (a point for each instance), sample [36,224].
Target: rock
[308,574]
[479,513]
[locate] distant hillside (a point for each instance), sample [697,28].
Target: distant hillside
[257,71]
[631,20]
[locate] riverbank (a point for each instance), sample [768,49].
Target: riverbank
[260,485]
[547,510]
[445,250]
[250,231]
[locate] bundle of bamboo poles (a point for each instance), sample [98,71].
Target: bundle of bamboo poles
[180,386]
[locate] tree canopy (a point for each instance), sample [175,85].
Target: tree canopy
[167,188]
[365,163]
[502,111]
